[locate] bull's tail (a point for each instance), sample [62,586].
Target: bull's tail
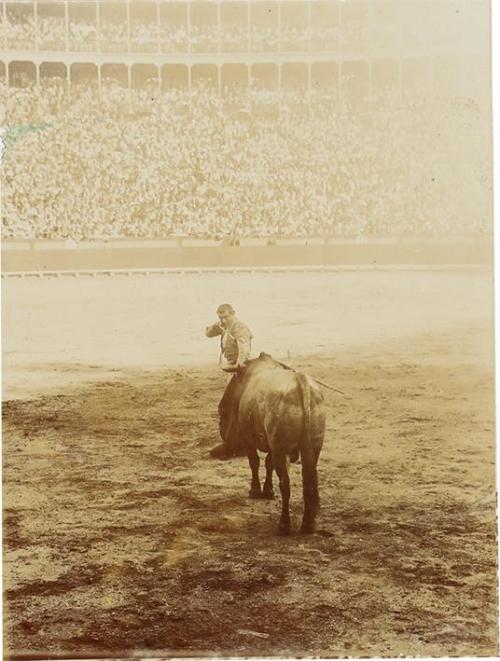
[307,453]
[308,457]
[305,392]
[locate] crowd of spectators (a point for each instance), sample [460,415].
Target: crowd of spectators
[49,32]
[263,164]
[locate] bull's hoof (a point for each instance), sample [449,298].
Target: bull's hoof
[307,528]
[284,528]
[255,493]
[268,494]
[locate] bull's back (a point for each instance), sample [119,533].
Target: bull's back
[274,406]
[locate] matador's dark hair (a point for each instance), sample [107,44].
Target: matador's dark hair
[225,307]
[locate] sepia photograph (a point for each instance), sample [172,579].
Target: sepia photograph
[248,380]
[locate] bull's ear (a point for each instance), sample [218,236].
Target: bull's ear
[264,356]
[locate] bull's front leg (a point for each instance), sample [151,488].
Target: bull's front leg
[254,461]
[267,491]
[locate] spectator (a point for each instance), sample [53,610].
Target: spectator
[186,165]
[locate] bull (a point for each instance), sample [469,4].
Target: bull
[271,408]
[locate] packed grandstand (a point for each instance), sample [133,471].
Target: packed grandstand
[152,26]
[155,161]
[144,37]
[196,163]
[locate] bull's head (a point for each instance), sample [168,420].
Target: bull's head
[262,357]
[240,369]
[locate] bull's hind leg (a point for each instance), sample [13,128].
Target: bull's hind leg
[267,491]
[281,469]
[254,461]
[311,496]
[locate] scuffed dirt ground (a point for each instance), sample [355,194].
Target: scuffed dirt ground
[122,535]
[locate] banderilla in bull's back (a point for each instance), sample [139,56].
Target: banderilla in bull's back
[319,381]
[288,367]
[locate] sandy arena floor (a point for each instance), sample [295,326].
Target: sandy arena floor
[122,535]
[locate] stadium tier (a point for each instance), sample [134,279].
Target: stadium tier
[245,119]
[352,46]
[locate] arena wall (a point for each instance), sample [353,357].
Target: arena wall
[40,256]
